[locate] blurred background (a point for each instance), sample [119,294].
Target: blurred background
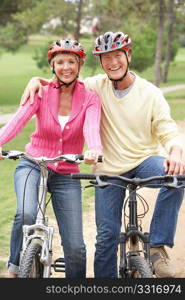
[27,27]
[157,30]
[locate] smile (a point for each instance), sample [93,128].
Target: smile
[114,69]
[66,74]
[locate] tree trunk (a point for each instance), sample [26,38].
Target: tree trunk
[171,20]
[159,44]
[78,20]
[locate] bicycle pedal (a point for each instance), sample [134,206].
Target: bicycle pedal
[59,265]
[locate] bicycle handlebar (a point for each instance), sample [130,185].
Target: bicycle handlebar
[101,179]
[71,158]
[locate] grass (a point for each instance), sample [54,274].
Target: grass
[176,101]
[17,70]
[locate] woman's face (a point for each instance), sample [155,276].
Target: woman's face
[66,66]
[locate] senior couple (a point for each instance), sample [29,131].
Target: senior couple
[117,114]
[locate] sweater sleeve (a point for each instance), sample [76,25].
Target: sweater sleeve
[18,121]
[91,127]
[164,127]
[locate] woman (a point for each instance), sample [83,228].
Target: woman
[67,116]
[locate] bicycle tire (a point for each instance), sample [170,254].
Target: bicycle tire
[30,266]
[140,268]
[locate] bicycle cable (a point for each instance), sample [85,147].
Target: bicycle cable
[39,203]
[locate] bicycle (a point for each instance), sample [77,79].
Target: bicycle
[36,253]
[134,247]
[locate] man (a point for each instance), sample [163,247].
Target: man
[135,121]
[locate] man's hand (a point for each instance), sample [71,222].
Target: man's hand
[174,165]
[91,157]
[34,85]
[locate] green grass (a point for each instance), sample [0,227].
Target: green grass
[176,101]
[17,69]
[180,57]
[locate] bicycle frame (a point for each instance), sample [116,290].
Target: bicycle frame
[132,234]
[41,231]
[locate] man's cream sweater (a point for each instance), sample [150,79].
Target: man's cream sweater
[132,127]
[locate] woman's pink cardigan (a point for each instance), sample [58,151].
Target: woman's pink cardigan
[49,139]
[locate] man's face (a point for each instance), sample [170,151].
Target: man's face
[115,63]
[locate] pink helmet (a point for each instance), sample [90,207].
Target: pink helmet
[66,45]
[111,41]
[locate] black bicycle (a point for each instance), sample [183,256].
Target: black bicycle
[134,244]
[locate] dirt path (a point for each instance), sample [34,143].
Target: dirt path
[167,89]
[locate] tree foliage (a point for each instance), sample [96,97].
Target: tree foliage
[138,18]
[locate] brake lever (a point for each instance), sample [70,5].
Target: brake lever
[172,185]
[102,184]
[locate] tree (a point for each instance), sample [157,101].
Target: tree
[20,23]
[171,20]
[159,44]
[78,20]
[7,8]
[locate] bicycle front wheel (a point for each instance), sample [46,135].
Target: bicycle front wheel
[140,267]
[30,265]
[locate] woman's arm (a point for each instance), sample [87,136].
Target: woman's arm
[18,121]
[34,85]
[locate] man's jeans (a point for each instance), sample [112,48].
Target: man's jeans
[66,200]
[109,204]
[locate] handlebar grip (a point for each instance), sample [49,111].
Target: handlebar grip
[81,157]
[180,177]
[5,153]
[83,176]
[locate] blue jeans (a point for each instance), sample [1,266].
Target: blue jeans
[66,201]
[109,204]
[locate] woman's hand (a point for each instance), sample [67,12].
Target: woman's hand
[91,157]
[1,157]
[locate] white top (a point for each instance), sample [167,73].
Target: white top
[63,120]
